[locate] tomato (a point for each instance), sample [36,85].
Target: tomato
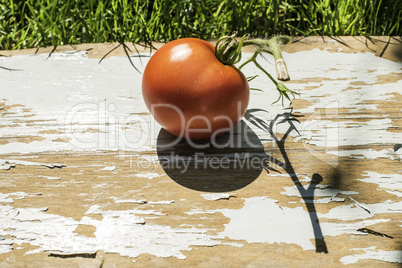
[190,93]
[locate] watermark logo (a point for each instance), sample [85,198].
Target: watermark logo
[98,126]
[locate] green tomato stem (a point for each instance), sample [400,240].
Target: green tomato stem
[228,51]
[281,69]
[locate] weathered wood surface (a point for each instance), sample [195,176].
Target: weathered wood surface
[87,178]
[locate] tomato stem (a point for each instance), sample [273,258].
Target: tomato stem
[280,64]
[228,51]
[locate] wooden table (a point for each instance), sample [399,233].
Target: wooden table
[87,178]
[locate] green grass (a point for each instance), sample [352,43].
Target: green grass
[34,23]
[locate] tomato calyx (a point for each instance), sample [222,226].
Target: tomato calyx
[229,52]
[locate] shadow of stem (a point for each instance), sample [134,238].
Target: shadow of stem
[306,194]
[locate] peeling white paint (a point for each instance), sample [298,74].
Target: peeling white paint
[123,232]
[353,212]
[161,202]
[87,106]
[10,197]
[109,168]
[367,153]
[29,163]
[360,205]
[384,181]
[31,214]
[49,177]
[323,133]
[5,244]
[261,220]
[149,175]
[133,201]
[199,211]
[238,245]
[336,72]
[100,107]
[397,193]
[324,200]
[94,209]
[218,196]
[143,201]
[7,166]
[5,198]
[321,194]
[372,254]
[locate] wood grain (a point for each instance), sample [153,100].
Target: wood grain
[87,178]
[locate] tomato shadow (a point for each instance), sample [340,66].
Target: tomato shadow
[228,163]
[235,160]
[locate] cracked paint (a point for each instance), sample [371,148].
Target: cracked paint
[83,109]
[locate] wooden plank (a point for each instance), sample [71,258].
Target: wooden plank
[88,178]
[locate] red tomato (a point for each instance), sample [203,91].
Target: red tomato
[191,93]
